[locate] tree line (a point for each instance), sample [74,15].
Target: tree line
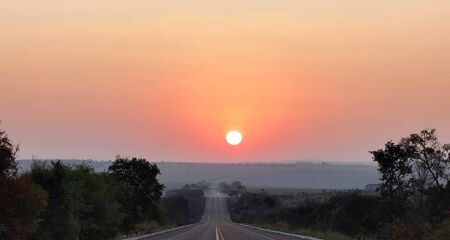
[54,201]
[413,200]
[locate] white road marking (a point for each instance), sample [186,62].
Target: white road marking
[257,234]
[181,234]
[157,233]
[282,233]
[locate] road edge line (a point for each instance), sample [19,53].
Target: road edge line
[281,233]
[156,233]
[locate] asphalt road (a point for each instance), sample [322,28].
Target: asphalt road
[216,224]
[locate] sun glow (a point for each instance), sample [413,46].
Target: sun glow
[234,137]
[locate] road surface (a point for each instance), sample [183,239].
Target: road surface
[216,225]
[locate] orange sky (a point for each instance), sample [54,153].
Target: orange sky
[166,80]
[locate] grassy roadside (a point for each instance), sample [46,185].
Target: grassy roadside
[317,234]
[147,228]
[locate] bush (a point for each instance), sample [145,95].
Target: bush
[442,233]
[184,206]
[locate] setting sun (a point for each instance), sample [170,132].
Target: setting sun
[234,138]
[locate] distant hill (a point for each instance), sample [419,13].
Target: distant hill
[293,175]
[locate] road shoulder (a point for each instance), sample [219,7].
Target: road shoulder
[157,233]
[281,233]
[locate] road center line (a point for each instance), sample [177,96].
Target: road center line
[219,235]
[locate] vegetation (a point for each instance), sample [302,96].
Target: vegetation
[235,189]
[139,190]
[82,204]
[21,201]
[414,199]
[184,206]
[307,232]
[56,201]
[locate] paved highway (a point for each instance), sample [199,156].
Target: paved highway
[216,224]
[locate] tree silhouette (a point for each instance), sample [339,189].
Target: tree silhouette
[414,166]
[21,201]
[8,165]
[141,190]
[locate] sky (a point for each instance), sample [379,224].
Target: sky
[166,80]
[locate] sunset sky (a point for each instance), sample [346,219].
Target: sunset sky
[166,80]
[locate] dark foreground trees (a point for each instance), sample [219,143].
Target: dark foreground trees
[81,204]
[140,191]
[21,201]
[8,165]
[415,175]
[56,201]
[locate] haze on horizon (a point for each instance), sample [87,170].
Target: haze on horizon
[166,80]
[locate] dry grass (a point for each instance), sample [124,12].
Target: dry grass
[317,234]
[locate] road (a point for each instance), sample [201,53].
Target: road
[216,224]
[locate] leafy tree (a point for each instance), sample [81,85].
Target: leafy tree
[21,200]
[59,220]
[395,166]
[96,207]
[82,203]
[21,204]
[8,164]
[411,167]
[140,189]
[431,159]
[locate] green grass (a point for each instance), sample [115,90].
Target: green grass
[317,234]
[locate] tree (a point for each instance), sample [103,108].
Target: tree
[82,203]
[141,189]
[59,219]
[234,189]
[184,206]
[8,164]
[431,159]
[21,204]
[413,167]
[21,201]
[394,164]
[177,209]
[96,207]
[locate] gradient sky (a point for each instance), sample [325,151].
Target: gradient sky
[166,80]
